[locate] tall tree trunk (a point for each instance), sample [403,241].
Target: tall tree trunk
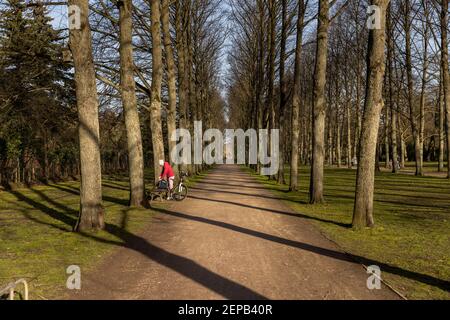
[155,106]
[260,70]
[441,126]
[390,94]
[128,90]
[365,180]
[349,135]
[330,144]
[386,136]
[318,135]
[181,16]
[421,121]
[91,211]
[445,74]
[358,85]
[171,73]
[402,150]
[46,165]
[412,109]
[271,69]
[338,142]
[283,90]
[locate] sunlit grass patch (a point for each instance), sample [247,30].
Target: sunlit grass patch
[37,242]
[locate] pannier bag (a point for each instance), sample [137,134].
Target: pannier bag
[162,184]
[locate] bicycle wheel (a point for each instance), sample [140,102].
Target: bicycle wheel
[180,192]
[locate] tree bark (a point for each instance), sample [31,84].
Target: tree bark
[283,90]
[171,73]
[349,135]
[91,211]
[386,137]
[318,137]
[296,99]
[412,109]
[391,106]
[445,74]
[181,16]
[338,142]
[363,208]
[155,106]
[271,69]
[131,115]
[441,127]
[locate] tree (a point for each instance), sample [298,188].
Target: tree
[363,208]
[318,143]
[171,73]
[283,89]
[412,108]
[128,91]
[296,99]
[390,89]
[91,211]
[157,72]
[445,74]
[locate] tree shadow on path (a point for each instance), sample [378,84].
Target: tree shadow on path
[297,215]
[430,280]
[226,288]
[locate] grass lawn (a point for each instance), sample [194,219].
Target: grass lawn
[411,240]
[429,169]
[36,238]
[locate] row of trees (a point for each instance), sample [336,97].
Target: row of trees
[319,65]
[184,35]
[140,69]
[134,71]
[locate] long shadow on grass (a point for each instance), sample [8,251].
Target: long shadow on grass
[114,186]
[55,214]
[297,215]
[187,267]
[76,191]
[430,280]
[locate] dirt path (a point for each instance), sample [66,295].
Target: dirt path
[231,239]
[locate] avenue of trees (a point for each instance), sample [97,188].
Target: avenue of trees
[340,91]
[105,97]
[102,97]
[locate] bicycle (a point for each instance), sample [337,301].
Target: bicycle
[179,192]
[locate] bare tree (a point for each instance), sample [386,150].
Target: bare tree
[296,99]
[363,209]
[157,72]
[171,72]
[128,91]
[318,144]
[445,73]
[91,211]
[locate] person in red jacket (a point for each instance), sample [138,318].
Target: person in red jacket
[167,174]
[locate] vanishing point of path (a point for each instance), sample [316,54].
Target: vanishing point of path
[230,239]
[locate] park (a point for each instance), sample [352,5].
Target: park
[300,151]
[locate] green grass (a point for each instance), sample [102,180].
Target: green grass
[36,238]
[411,239]
[429,168]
